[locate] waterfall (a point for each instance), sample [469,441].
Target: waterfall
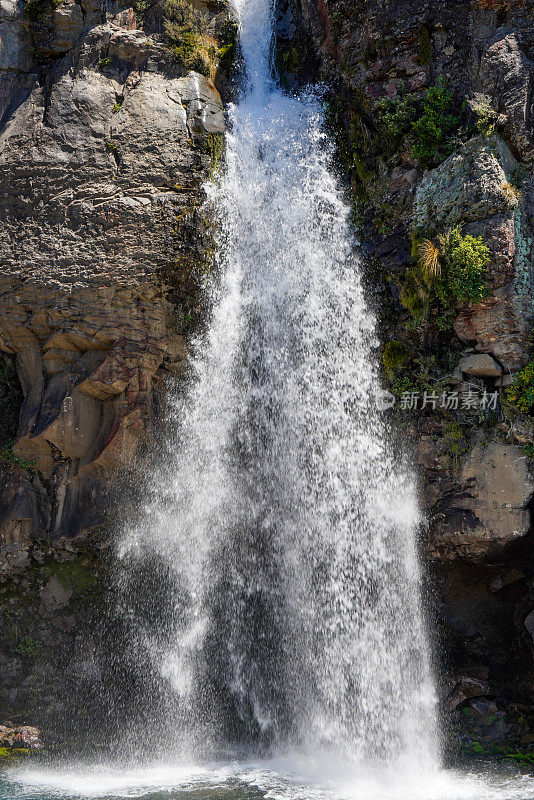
[283,609]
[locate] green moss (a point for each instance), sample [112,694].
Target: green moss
[521,394]
[29,648]
[290,60]
[425,47]
[229,38]
[76,575]
[455,443]
[215,146]
[394,357]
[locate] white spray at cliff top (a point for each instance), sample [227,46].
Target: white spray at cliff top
[286,524]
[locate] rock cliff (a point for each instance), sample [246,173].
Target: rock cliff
[110,123]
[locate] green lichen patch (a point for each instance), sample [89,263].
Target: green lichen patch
[79,575]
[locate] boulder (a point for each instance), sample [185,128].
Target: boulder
[467,186]
[20,737]
[488,509]
[481,366]
[500,326]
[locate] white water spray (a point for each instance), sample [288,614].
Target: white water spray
[280,520]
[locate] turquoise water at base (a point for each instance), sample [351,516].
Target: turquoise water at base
[295,778]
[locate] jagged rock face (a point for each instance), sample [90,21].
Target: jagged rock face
[104,146]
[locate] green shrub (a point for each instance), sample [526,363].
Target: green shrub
[402,384]
[393,357]
[465,261]
[394,116]
[187,48]
[455,443]
[437,121]
[444,274]
[521,394]
[33,9]
[140,8]
[185,15]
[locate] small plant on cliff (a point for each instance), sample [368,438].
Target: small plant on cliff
[429,258]
[454,442]
[9,457]
[465,261]
[437,122]
[521,394]
[33,9]
[215,143]
[394,357]
[394,116]
[486,114]
[447,272]
[512,194]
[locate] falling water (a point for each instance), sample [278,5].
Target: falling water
[285,605]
